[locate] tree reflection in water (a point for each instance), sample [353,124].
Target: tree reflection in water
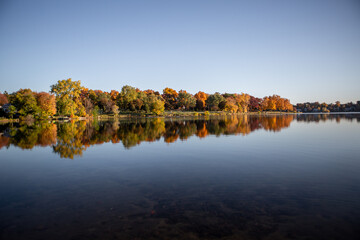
[71,139]
[28,136]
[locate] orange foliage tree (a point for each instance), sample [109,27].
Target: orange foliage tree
[46,103]
[231,105]
[242,101]
[114,94]
[170,97]
[201,100]
[275,102]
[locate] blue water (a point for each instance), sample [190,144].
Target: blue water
[239,177]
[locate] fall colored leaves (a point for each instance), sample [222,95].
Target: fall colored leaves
[69,98]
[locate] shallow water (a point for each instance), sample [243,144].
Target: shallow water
[239,177]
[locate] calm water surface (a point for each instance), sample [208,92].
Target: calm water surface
[239,177]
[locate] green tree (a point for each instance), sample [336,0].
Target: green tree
[25,102]
[105,103]
[12,111]
[126,98]
[214,100]
[186,100]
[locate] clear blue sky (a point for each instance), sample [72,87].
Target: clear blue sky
[304,50]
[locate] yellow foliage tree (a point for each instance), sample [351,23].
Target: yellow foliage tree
[68,97]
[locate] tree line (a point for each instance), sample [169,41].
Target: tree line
[69,98]
[324,107]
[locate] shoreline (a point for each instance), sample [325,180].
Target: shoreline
[167,114]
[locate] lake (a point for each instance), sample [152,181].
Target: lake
[226,177]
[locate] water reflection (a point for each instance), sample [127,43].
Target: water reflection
[71,139]
[28,136]
[300,184]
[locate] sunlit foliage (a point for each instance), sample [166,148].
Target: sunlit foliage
[200,100]
[242,101]
[46,103]
[68,97]
[127,98]
[156,104]
[25,102]
[275,102]
[170,97]
[72,99]
[231,105]
[113,95]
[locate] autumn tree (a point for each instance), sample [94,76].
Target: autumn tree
[280,103]
[254,104]
[186,100]
[289,106]
[46,103]
[114,94]
[68,97]
[92,94]
[3,99]
[86,101]
[150,91]
[231,105]
[170,97]
[157,105]
[200,100]
[275,102]
[152,103]
[268,103]
[74,100]
[242,101]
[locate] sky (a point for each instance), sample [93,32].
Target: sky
[304,50]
